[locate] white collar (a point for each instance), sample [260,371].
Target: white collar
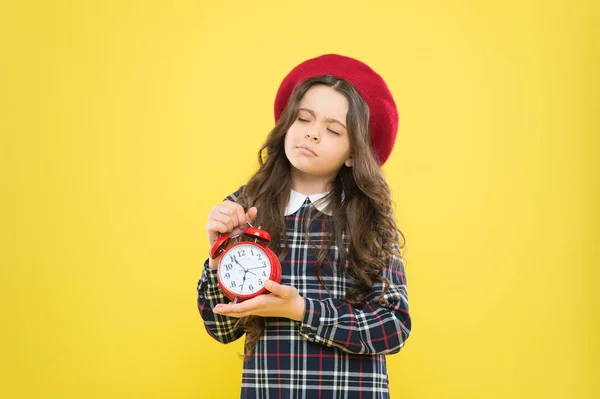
[297,199]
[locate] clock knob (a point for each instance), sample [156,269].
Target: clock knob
[219,246]
[257,233]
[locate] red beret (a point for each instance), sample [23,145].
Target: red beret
[371,87]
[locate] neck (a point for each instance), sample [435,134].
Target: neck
[309,185]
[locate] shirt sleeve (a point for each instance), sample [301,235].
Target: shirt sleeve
[222,328]
[374,329]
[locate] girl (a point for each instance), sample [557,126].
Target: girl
[341,305]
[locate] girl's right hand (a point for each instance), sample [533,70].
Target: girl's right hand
[227,218]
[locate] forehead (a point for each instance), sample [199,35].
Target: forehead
[325,102]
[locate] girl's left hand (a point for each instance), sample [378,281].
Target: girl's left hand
[283,301]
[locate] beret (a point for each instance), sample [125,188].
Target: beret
[370,85]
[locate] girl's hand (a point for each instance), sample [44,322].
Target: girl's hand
[227,218]
[283,301]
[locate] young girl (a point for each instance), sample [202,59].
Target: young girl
[341,305]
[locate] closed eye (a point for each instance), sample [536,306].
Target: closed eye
[306,120]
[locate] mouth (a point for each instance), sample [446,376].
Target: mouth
[306,149]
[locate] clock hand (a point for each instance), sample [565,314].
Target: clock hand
[243,281]
[243,268]
[245,271]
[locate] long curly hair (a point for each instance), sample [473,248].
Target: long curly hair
[360,203]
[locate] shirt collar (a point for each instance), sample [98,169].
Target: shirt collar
[297,199]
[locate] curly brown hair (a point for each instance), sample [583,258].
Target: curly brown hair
[360,202]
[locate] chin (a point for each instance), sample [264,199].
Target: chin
[303,167]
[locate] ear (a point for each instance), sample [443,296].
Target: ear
[348,162]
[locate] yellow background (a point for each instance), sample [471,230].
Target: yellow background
[123,122]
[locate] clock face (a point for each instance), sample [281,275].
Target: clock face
[244,269]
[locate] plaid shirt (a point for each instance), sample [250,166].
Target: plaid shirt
[336,351]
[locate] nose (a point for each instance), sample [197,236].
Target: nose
[312,137]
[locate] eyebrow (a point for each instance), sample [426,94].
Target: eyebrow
[310,111]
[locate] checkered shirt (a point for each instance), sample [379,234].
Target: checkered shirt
[337,350]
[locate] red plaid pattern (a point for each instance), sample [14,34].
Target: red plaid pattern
[336,351]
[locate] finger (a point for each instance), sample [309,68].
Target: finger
[231,312]
[222,214]
[236,315]
[213,232]
[277,289]
[218,215]
[224,219]
[252,213]
[236,212]
[214,227]
[231,309]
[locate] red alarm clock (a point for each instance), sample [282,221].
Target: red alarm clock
[246,265]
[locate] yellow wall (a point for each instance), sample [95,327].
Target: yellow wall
[123,122]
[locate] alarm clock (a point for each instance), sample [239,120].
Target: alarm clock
[246,264]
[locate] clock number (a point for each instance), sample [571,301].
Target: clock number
[233,284]
[260,282]
[232,258]
[229,266]
[241,252]
[252,252]
[264,274]
[227,276]
[264,263]
[251,287]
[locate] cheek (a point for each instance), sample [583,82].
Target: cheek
[294,130]
[293,135]
[287,143]
[345,152]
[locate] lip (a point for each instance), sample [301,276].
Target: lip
[306,149]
